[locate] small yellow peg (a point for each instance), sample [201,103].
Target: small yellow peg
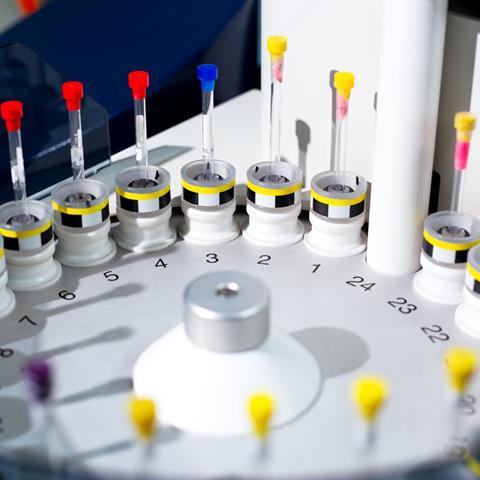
[369,395]
[143,416]
[460,364]
[261,409]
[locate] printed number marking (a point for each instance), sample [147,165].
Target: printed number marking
[161,263]
[110,276]
[26,318]
[212,258]
[66,295]
[466,405]
[435,333]
[357,281]
[402,305]
[457,447]
[264,259]
[316,266]
[6,352]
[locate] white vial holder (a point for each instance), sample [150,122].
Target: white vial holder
[223,352]
[337,216]
[208,205]
[273,204]
[7,298]
[143,209]
[444,256]
[82,224]
[29,247]
[467,314]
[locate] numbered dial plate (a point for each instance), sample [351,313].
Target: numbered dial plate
[95,322]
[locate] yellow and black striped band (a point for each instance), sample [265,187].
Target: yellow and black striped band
[80,211]
[340,202]
[81,217]
[143,202]
[25,240]
[275,192]
[472,283]
[446,252]
[448,245]
[208,196]
[208,190]
[25,233]
[142,196]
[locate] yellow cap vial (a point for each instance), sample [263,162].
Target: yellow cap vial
[261,408]
[369,395]
[143,417]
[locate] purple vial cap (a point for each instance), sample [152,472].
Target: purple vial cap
[38,374]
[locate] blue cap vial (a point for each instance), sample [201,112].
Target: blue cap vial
[207,73]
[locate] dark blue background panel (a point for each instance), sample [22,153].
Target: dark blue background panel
[99,42]
[25,76]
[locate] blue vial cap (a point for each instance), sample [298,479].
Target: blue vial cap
[207,74]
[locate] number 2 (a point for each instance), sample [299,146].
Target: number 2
[264,260]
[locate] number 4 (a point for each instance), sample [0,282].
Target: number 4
[161,263]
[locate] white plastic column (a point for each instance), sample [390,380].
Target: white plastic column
[409,87]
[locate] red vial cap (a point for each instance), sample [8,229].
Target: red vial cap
[12,113]
[73,94]
[138,82]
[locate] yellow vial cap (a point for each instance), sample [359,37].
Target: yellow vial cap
[369,395]
[277,45]
[261,408]
[465,121]
[344,82]
[461,364]
[143,416]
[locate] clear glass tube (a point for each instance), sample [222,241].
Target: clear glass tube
[141,134]
[207,133]
[341,131]
[276,79]
[457,190]
[76,149]
[17,170]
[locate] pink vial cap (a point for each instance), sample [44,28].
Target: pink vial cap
[72,93]
[12,113]
[138,81]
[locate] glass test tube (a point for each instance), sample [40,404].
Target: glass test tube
[73,94]
[207,74]
[17,170]
[343,82]
[138,81]
[76,148]
[141,135]
[12,112]
[277,46]
[464,124]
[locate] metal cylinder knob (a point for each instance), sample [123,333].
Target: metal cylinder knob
[227,312]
